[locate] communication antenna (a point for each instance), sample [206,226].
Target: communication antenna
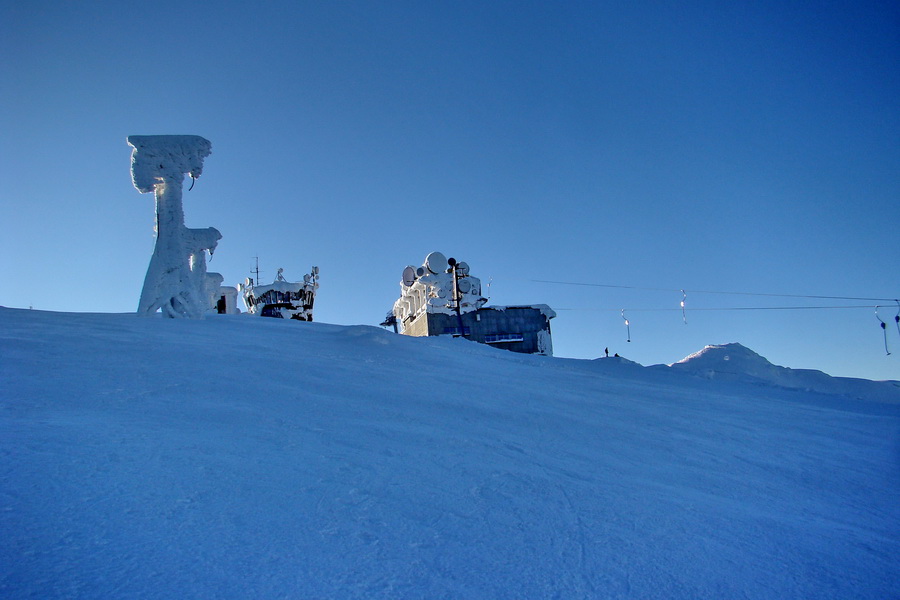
[436,263]
[256,270]
[627,325]
[409,276]
[683,314]
[451,264]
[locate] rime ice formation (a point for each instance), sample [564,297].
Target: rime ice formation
[197,243]
[177,282]
[213,290]
[430,288]
[282,299]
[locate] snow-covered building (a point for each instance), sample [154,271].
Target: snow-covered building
[441,297]
[226,300]
[282,299]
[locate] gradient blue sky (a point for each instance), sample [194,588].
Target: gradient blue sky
[723,146]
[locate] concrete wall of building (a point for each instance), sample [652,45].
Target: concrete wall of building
[485,324]
[418,327]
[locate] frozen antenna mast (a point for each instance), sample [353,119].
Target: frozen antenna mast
[176,278]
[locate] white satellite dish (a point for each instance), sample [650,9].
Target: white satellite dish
[421,271]
[409,276]
[436,262]
[464,285]
[462,269]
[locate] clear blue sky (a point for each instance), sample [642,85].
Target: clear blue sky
[738,147]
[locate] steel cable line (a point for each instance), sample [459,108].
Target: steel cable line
[683,291]
[721,308]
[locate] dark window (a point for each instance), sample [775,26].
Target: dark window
[500,338]
[456,331]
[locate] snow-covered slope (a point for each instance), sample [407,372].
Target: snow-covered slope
[260,458]
[734,362]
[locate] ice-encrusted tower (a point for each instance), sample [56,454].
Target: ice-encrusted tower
[176,278]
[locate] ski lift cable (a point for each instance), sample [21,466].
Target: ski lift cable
[652,289]
[723,308]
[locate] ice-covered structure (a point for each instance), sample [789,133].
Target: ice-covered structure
[176,282]
[442,298]
[437,287]
[282,299]
[224,300]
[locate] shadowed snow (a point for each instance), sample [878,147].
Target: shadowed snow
[262,458]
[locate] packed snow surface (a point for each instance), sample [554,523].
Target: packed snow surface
[262,458]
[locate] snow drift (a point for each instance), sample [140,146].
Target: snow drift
[261,458]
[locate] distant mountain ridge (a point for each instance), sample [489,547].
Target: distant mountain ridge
[732,362]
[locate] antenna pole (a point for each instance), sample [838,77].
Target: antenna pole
[456,297]
[256,270]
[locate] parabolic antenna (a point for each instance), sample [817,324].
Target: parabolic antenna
[421,271]
[462,268]
[409,276]
[464,285]
[436,262]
